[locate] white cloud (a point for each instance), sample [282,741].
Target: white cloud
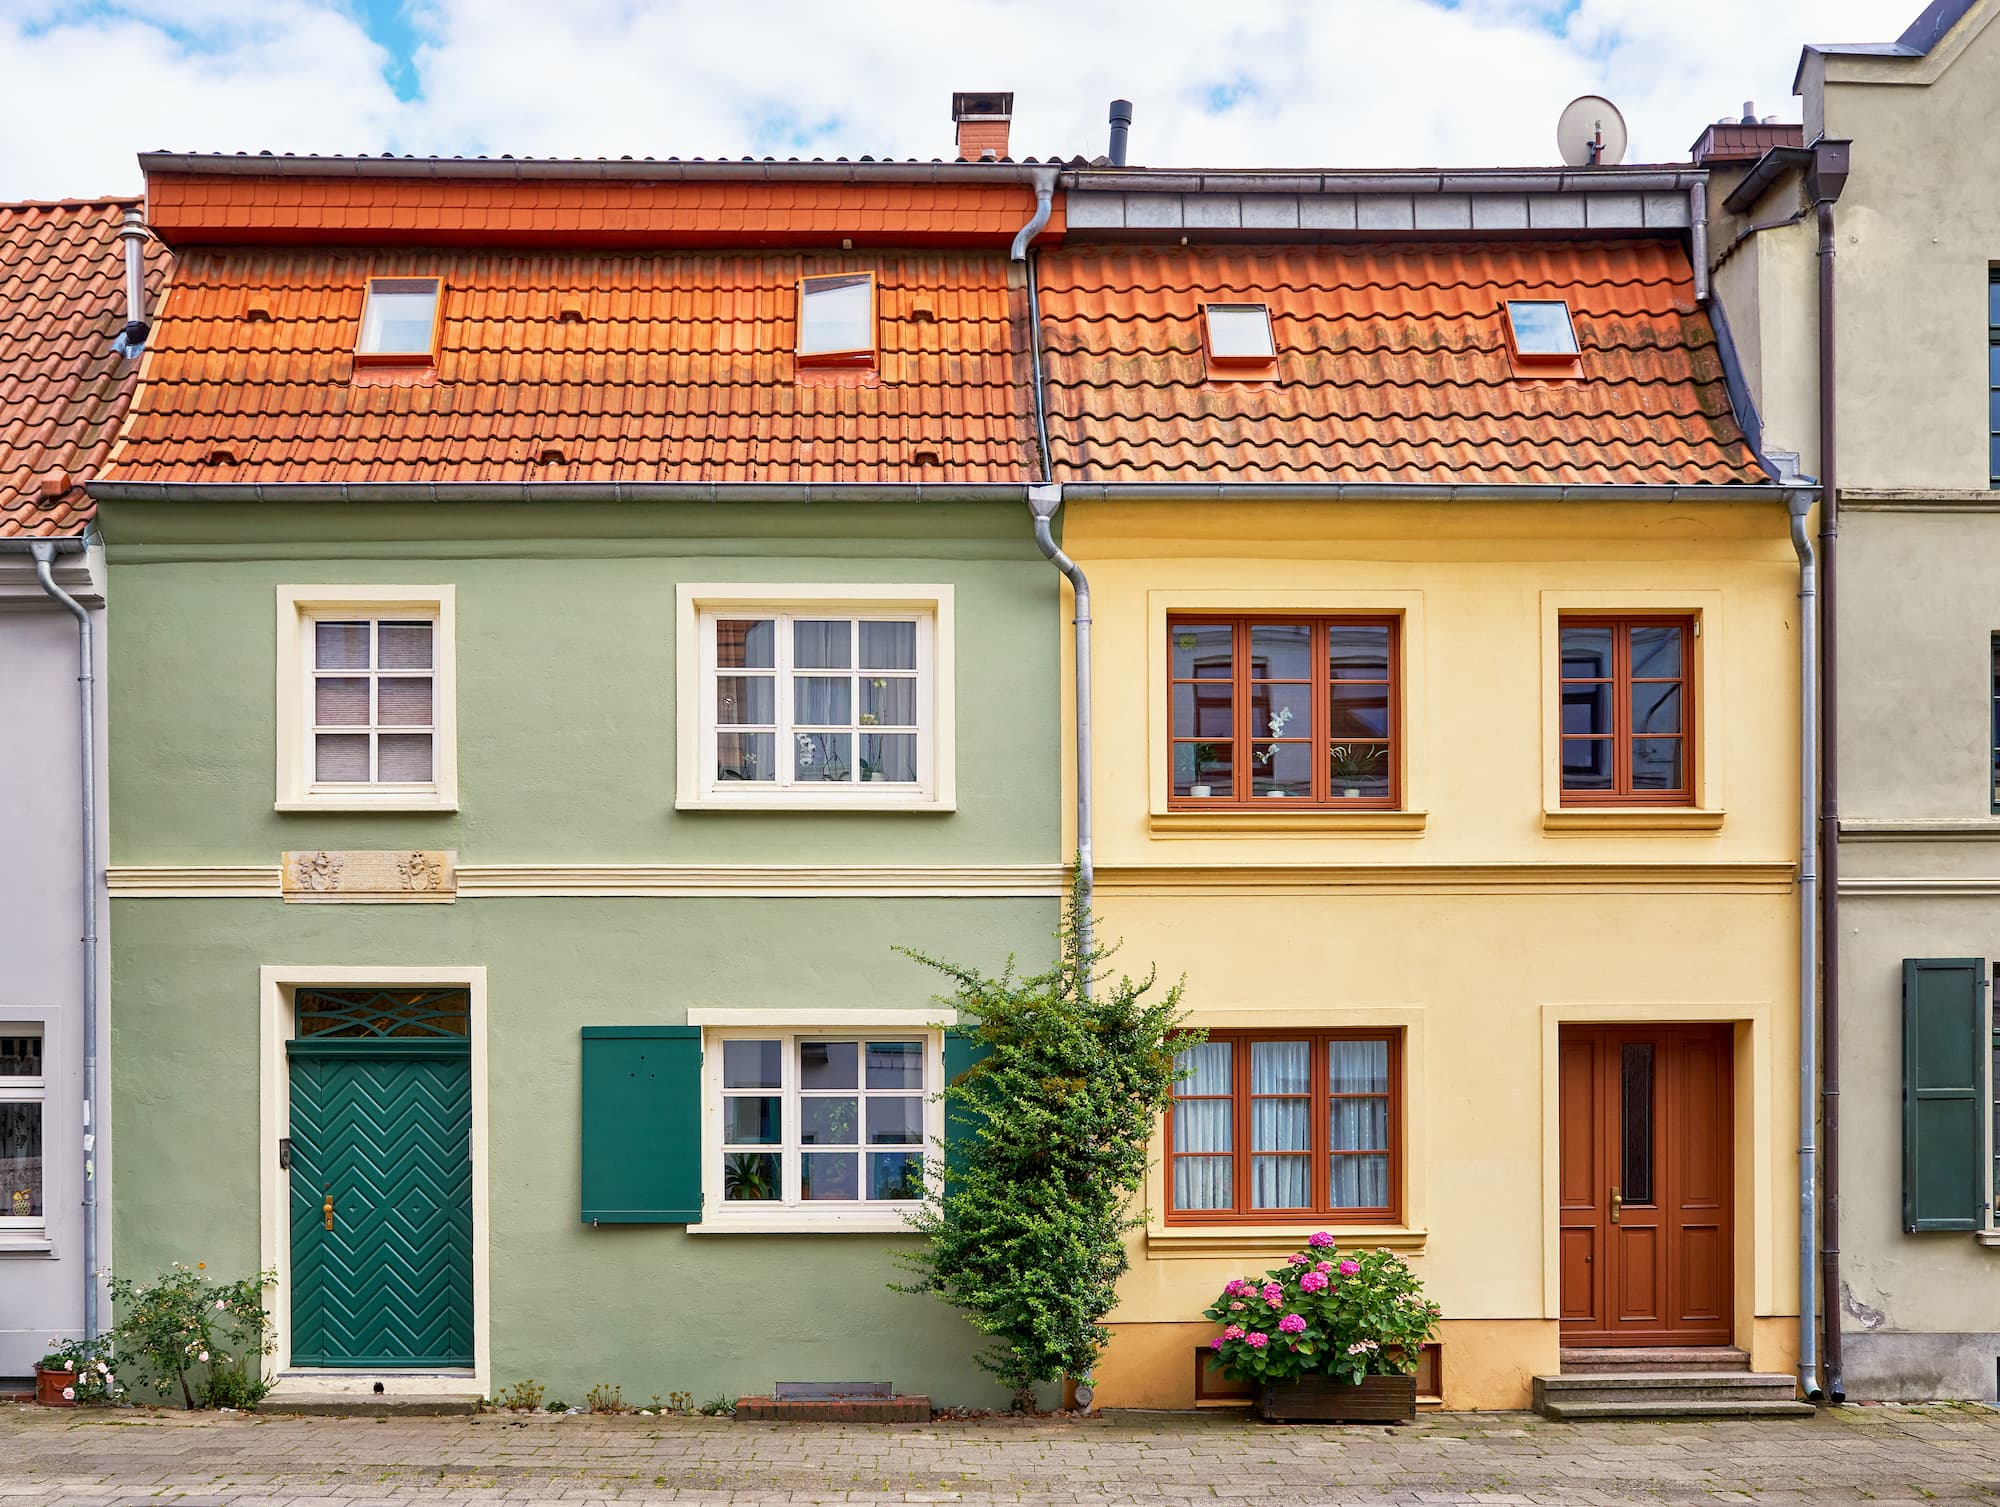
[1248,83]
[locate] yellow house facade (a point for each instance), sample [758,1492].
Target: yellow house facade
[1445,716]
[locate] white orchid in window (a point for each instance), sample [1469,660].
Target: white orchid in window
[1275,728]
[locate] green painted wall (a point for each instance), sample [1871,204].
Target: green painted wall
[565,678]
[647,1307]
[566,755]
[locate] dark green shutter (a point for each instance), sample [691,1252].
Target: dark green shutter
[1942,1113]
[961,1051]
[641,1124]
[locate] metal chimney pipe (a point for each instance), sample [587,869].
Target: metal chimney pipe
[134,234]
[1121,129]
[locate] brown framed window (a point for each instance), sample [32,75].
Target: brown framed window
[1627,711]
[1287,1126]
[1263,708]
[399,321]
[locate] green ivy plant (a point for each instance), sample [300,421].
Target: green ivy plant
[184,1327]
[1027,1238]
[1324,1313]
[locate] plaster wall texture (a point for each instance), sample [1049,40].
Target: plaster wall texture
[41,962]
[1481,932]
[566,718]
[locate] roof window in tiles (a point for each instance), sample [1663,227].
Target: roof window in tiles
[399,320]
[1540,329]
[1239,334]
[837,319]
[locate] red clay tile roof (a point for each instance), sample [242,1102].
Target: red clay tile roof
[583,213]
[1393,367]
[677,368]
[63,388]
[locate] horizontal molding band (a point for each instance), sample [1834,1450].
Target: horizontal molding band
[1935,887]
[1866,828]
[490,881]
[1490,878]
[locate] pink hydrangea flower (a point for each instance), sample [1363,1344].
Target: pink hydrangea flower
[1324,1266]
[1273,1292]
[1350,1268]
[1291,1323]
[1320,1238]
[1235,1307]
[1256,1339]
[1235,1289]
[1233,1332]
[1301,1259]
[1313,1282]
[1216,1343]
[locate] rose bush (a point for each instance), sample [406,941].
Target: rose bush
[89,1363]
[184,1326]
[1324,1314]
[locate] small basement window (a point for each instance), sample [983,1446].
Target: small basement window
[837,318]
[1239,334]
[399,320]
[1541,328]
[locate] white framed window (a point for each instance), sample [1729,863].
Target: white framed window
[23,1128]
[1239,333]
[806,1128]
[837,318]
[366,699]
[816,697]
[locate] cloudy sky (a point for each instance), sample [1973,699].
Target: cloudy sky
[1215,82]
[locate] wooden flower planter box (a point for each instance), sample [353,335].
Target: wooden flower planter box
[50,1385]
[1319,1399]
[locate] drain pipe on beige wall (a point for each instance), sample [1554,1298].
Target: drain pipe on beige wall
[1799,504]
[45,552]
[1043,501]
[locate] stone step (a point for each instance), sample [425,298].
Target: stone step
[366,1405]
[1570,1411]
[1666,1386]
[1596,1360]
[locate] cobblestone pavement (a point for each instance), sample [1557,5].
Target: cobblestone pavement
[1876,1454]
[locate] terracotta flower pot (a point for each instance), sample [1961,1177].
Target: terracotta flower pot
[1320,1399]
[50,1386]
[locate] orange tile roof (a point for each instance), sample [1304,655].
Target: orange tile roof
[63,388]
[1393,367]
[676,367]
[575,213]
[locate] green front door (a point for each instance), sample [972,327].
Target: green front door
[381,1166]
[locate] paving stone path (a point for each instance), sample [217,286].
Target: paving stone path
[116,1458]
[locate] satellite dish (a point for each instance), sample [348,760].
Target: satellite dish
[1591,133]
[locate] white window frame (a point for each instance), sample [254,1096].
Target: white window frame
[25,1090]
[1571,353]
[299,609]
[701,605]
[789,1213]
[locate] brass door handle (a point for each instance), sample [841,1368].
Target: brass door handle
[1617,1205]
[326,1211]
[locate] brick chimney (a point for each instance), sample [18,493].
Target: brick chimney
[982,121]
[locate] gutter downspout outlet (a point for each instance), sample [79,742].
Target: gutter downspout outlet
[1042,503]
[1799,505]
[44,552]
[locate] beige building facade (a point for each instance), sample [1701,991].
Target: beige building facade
[1915,243]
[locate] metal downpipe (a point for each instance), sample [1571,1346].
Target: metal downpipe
[1829,806]
[1800,507]
[44,552]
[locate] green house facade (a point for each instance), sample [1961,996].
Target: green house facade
[562,667]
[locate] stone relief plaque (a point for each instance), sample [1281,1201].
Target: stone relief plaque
[371,876]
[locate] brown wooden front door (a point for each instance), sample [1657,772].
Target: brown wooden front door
[1646,1237]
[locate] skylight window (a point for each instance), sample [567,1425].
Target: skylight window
[1239,334]
[1541,327]
[399,321]
[837,318]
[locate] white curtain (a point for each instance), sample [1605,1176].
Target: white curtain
[1204,1125]
[1358,1067]
[1280,1124]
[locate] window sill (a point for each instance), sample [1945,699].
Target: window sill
[1632,819]
[792,1223]
[872,803]
[1988,1238]
[1320,820]
[366,803]
[1270,1242]
[24,1243]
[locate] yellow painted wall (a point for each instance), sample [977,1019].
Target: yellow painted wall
[1480,929]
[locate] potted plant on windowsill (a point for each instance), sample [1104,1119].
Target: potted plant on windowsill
[1204,755]
[1327,1337]
[1354,765]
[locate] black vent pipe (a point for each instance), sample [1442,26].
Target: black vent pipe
[1121,129]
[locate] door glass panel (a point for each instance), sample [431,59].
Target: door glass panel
[1635,1133]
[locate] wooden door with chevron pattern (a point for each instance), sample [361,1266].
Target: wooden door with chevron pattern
[381,1202]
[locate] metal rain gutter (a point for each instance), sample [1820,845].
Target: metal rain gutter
[623,170]
[1418,491]
[1808,921]
[552,491]
[45,552]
